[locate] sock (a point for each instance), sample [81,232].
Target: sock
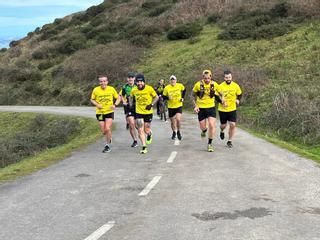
[204,131]
[209,140]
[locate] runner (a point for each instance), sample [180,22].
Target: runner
[174,93]
[232,94]
[159,90]
[129,111]
[205,92]
[145,97]
[103,98]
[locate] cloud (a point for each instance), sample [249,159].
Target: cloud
[27,3]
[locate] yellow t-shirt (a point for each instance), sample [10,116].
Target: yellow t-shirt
[143,98]
[105,97]
[174,95]
[206,101]
[229,93]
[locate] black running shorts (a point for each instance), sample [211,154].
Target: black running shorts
[228,116]
[103,117]
[174,111]
[146,117]
[206,112]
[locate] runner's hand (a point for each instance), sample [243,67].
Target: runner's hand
[196,109]
[148,107]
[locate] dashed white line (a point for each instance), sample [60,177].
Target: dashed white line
[101,231]
[151,185]
[176,142]
[172,157]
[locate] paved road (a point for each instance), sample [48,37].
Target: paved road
[253,191]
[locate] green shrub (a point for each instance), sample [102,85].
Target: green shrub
[213,18]
[46,64]
[42,133]
[140,41]
[272,30]
[159,10]
[3,50]
[104,38]
[184,31]
[72,44]
[14,43]
[97,21]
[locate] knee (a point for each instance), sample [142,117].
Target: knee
[232,125]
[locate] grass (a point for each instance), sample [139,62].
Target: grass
[311,152]
[90,133]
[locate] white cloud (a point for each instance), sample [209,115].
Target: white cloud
[28,3]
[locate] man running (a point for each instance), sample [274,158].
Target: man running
[129,110]
[159,90]
[205,92]
[103,98]
[174,93]
[145,97]
[232,94]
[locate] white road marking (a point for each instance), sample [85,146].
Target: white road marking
[176,142]
[172,157]
[151,185]
[101,231]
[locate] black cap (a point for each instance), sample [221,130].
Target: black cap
[140,77]
[131,74]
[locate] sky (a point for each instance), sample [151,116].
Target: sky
[18,17]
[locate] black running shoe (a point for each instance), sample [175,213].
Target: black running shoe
[179,135]
[134,144]
[173,137]
[221,135]
[106,149]
[229,144]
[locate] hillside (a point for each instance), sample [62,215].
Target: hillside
[272,48]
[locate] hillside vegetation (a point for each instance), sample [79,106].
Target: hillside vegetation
[272,48]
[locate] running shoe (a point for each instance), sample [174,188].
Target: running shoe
[221,135]
[149,139]
[173,137]
[106,148]
[229,144]
[210,148]
[179,135]
[134,144]
[144,150]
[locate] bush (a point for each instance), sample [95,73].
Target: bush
[104,38]
[42,133]
[14,43]
[258,24]
[213,18]
[272,30]
[45,65]
[184,31]
[159,10]
[97,21]
[3,50]
[140,41]
[72,44]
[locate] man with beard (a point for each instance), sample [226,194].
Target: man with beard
[231,93]
[205,92]
[145,97]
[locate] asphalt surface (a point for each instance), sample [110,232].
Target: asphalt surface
[253,191]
